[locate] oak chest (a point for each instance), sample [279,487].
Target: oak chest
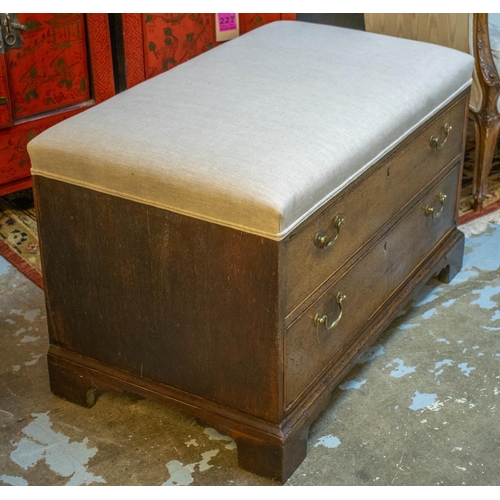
[249,230]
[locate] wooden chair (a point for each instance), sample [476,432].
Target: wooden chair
[468,33]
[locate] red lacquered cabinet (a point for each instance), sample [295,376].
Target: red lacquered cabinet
[52,66]
[154,43]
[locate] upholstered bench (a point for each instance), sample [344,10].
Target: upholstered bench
[229,236]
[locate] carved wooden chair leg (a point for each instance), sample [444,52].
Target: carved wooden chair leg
[487,118]
[487,129]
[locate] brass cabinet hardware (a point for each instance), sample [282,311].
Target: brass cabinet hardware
[432,211]
[435,142]
[10,31]
[323,319]
[3,101]
[321,239]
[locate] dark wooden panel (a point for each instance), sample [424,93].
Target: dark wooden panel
[183,302]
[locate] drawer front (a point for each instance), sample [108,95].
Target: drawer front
[309,345]
[368,206]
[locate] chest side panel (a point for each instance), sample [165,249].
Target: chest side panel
[179,301]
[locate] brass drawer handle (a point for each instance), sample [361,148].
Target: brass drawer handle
[321,239]
[323,319]
[435,142]
[432,211]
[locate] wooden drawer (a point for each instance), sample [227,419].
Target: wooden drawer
[310,348]
[368,205]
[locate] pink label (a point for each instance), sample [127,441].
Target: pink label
[227,22]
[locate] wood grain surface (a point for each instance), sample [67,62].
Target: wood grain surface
[166,297]
[449,30]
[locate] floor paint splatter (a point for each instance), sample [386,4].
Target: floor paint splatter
[213,435]
[328,441]
[462,277]
[466,369]
[203,465]
[401,370]
[449,303]
[182,475]
[14,480]
[482,257]
[64,458]
[28,316]
[439,364]
[429,313]
[426,298]
[423,400]
[484,301]
[352,384]
[4,266]
[407,326]
[34,359]
[29,338]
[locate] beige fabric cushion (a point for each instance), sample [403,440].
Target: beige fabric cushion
[261,131]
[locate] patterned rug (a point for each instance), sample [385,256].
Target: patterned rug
[18,234]
[18,228]
[492,201]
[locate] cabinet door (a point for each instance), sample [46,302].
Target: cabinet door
[249,22]
[48,66]
[171,39]
[154,43]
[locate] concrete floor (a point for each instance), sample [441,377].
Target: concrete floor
[421,408]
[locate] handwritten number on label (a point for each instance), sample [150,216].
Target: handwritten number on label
[227,22]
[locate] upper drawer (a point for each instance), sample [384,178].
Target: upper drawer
[369,204]
[310,346]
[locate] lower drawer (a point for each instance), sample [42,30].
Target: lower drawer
[310,344]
